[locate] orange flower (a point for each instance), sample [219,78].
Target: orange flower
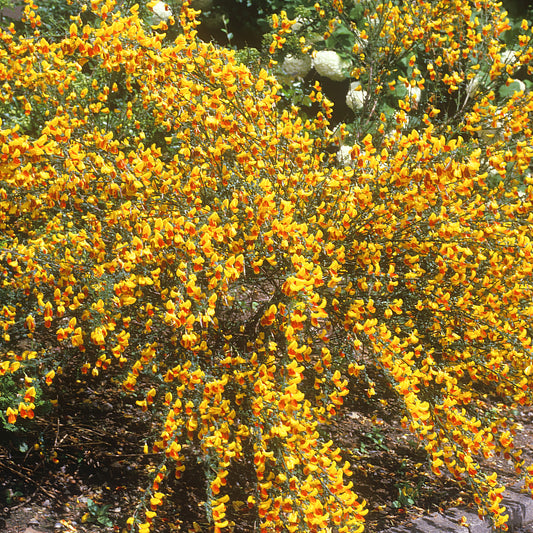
[11,415]
[50,377]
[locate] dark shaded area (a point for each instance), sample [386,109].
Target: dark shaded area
[245,21]
[519,8]
[91,447]
[88,446]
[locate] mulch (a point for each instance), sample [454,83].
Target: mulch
[90,449]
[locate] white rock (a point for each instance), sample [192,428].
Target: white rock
[414,93]
[298,23]
[473,85]
[508,57]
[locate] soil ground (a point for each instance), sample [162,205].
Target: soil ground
[83,470]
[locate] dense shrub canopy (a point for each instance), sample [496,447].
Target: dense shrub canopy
[165,221]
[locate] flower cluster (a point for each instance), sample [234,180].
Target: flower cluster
[162,11]
[330,65]
[165,220]
[355,99]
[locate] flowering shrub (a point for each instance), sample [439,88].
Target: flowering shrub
[164,221]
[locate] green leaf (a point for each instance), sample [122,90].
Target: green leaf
[405,60]
[104,521]
[388,111]
[400,90]
[93,508]
[103,509]
[341,38]
[356,13]
[506,91]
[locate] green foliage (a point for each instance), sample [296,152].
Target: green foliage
[98,514]
[408,495]
[9,394]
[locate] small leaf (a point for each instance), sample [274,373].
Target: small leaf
[93,508]
[507,91]
[388,111]
[400,91]
[341,38]
[356,13]
[105,521]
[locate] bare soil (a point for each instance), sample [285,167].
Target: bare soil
[83,469]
